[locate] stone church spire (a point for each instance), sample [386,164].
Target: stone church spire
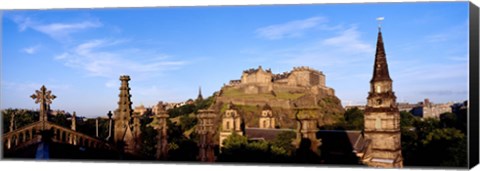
[380,69]
[199,97]
[382,117]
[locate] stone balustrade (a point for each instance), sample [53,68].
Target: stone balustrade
[30,134]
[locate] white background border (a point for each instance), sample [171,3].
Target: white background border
[123,165]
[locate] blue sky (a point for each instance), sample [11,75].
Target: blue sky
[170,52]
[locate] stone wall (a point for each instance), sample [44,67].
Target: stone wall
[299,76]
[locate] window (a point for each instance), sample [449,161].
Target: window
[378,89]
[378,123]
[227,127]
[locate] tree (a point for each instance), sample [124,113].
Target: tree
[353,119]
[22,118]
[406,120]
[432,142]
[182,110]
[283,143]
[148,137]
[187,122]
[445,147]
[60,119]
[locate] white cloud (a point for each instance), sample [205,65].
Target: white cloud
[31,50]
[95,60]
[58,30]
[31,86]
[343,50]
[22,22]
[289,29]
[349,40]
[111,83]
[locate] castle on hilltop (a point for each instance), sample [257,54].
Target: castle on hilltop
[255,81]
[299,76]
[284,92]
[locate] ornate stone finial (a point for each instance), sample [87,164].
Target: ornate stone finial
[124,78]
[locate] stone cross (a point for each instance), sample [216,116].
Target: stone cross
[45,98]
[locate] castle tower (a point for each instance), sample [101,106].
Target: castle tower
[159,123]
[231,122]
[205,129]
[122,117]
[266,119]
[382,117]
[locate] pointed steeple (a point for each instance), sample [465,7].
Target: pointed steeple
[380,68]
[199,97]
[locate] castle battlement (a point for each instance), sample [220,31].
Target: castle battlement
[306,68]
[253,70]
[302,76]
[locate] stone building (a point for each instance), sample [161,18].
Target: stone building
[299,76]
[140,110]
[231,123]
[431,110]
[257,76]
[255,81]
[382,117]
[267,120]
